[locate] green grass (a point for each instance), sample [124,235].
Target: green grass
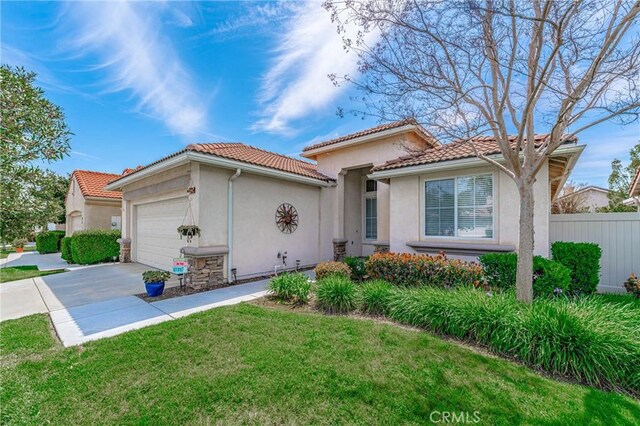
[247,364]
[13,273]
[5,253]
[26,336]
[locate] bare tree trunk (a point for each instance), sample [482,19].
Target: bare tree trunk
[524,275]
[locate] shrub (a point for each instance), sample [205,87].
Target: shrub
[324,269]
[500,272]
[583,260]
[375,296]
[65,249]
[19,242]
[337,294]
[357,267]
[94,246]
[154,276]
[49,241]
[291,287]
[419,269]
[592,341]
[633,285]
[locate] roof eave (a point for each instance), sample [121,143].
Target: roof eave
[213,160]
[313,153]
[461,164]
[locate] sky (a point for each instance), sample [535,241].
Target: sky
[140,80]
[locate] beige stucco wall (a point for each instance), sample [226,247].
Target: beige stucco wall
[89,214]
[256,238]
[407,210]
[97,215]
[594,199]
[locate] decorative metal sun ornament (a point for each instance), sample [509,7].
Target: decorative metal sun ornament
[286,218]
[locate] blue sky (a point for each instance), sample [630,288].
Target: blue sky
[138,81]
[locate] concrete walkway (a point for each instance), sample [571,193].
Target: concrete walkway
[20,298]
[42,261]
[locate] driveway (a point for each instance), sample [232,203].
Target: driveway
[42,261]
[94,284]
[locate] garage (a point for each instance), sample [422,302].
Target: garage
[157,241]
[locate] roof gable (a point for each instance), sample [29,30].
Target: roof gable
[92,184]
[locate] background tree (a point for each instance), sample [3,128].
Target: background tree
[570,200]
[33,131]
[619,182]
[466,68]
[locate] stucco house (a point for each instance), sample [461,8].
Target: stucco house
[392,187]
[591,198]
[634,191]
[89,205]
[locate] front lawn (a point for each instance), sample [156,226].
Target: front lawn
[257,365]
[14,273]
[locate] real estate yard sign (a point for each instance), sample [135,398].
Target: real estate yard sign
[180,265]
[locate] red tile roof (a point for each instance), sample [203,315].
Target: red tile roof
[485,145]
[247,154]
[92,183]
[388,126]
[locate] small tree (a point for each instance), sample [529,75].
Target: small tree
[571,200]
[619,182]
[33,130]
[465,68]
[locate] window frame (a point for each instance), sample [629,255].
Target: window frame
[368,195]
[423,221]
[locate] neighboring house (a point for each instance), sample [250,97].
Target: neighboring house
[89,205]
[634,191]
[590,198]
[392,187]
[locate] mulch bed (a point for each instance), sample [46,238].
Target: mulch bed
[178,291]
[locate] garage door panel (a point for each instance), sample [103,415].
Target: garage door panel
[157,239]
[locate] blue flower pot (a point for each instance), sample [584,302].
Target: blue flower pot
[154,289]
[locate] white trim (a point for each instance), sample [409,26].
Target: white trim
[368,195]
[215,161]
[459,164]
[361,139]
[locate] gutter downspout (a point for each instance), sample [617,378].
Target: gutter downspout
[230,223]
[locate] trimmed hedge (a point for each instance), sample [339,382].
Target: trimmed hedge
[65,249]
[94,246]
[588,339]
[500,272]
[49,241]
[583,260]
[422,269]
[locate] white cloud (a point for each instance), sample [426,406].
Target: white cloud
[297,82]
[127,41]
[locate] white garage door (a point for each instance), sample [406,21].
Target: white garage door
[157,240]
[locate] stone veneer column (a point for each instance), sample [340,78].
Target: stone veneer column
[381,246]
[125,250]
[206,266]
[339,249]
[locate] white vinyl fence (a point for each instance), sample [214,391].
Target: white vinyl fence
[617,234]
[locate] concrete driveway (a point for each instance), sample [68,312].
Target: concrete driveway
[42,261]
[94,284]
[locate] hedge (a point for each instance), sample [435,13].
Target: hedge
[65,249]
[583,259]
[49,241]
[500,272]
[94,246]
[422,269]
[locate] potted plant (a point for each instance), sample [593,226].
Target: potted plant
[19,244]
[154,282]
[188,231]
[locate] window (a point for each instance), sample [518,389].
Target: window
[370,210]
[459,207]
